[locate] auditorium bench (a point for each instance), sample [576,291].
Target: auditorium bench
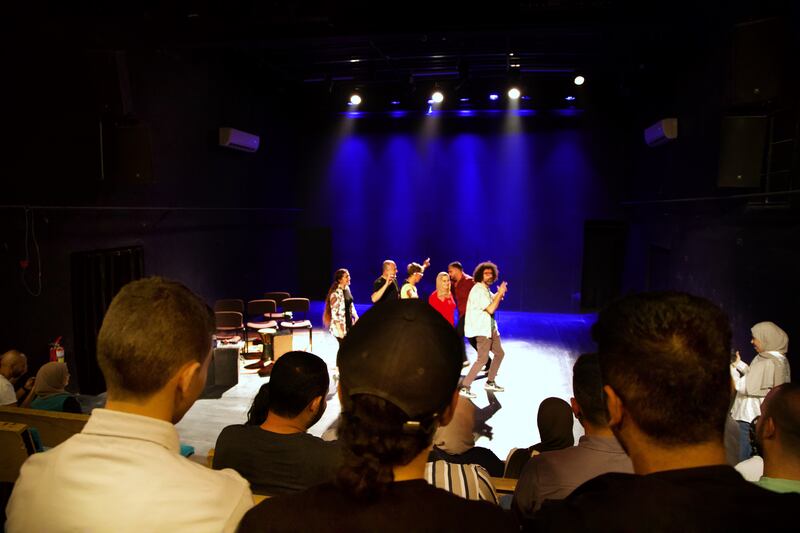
[53,427]
[16,445]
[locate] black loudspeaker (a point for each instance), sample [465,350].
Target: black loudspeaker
[126,153]
[315,247]
[604,245]
[742,151]
[759,61]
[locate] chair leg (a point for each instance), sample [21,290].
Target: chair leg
[310,340]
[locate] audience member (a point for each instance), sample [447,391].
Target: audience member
[273,451]
[49,390]
[399,370]
[778,438]
[123,472]
[769,368]
[442,300]
[664,359]
[555,431]
[555,474]
[455,442]
[13,365]
[470,481]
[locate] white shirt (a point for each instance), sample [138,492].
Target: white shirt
[751,469]
[746,406]
[124,473]
[8,395]
[479,323]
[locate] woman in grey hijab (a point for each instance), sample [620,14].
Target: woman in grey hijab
[768,369]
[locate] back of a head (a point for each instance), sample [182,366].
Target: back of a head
[296,379]
[12,362]
[783,406]
[152,328]
[667,355]
[587,388]
[399,368]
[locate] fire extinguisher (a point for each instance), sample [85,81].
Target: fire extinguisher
[57,351]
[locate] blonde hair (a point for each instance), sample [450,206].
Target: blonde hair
[439,292]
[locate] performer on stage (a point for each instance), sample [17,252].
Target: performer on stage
[340,312]
[409,289]
[481,324]
[385,287]
[461,284]
[441,299]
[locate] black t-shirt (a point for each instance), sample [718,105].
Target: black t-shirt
[705,499]
[406,506]
[274,463]
[392,292]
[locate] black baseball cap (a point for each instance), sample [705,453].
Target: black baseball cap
[405,352]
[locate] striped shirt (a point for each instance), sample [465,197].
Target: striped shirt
[471,482]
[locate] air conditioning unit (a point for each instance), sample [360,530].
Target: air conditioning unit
[661,132]
[238,140]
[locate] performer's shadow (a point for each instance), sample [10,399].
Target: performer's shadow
[481,428]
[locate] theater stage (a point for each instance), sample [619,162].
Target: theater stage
[540,350]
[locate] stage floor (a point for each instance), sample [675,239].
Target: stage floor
[540,351]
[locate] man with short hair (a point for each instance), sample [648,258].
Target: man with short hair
[480,323]
[461,283]
[385,287]
[778,438]
[13,365]
[276,454]
[664,358]
[554,475]
[124,472]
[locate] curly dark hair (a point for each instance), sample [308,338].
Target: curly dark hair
[374,441]
[667,356]
[478,273]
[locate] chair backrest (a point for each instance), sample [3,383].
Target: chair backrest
[279,297]
[228,320]
[296,305]
[54,427]
[16,445]
[233,304]
[261,307]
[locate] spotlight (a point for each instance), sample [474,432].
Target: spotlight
[579,80]
[569,98]
[355,99]
[494,97]
[463,99]
[395,102]
[437,97]
[514,93]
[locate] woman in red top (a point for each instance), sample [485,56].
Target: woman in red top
[441,299]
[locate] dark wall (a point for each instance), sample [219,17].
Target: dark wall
[740,253]
[223,222]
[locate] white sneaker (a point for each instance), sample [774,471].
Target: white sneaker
[466,393]
[491,385]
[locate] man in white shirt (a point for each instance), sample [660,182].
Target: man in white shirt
[124,472]
[480,324]
[13,365]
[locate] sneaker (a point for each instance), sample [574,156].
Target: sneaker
[466,393]
[491,385]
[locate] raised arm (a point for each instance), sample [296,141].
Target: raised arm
[501,292]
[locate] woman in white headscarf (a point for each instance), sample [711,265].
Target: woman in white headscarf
[768,369]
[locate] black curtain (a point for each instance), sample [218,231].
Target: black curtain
[96,277]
